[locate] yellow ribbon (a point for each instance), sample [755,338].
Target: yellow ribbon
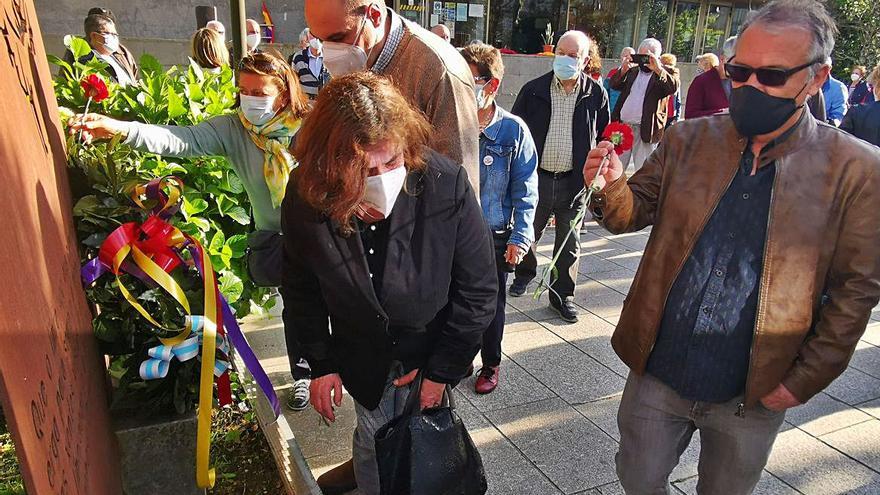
[205,476]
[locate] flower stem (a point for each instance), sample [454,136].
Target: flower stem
[85,112]
[545,282]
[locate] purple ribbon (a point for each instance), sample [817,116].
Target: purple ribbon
[239,342]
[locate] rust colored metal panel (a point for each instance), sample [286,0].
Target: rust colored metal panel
[52,381]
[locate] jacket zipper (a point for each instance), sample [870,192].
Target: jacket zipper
[691,247]
[741,409]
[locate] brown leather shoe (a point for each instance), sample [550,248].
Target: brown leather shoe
[338,480]
[487,380]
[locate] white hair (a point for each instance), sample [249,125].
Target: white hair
[653,45]
[728,50]
[304,35]
[583,41]
[627,49]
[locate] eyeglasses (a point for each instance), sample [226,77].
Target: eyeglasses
[766,76]
[483,78]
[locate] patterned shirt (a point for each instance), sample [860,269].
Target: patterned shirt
[394,38]
[557,154]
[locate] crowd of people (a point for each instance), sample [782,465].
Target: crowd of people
[393,196]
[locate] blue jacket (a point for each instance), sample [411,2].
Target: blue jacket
[509,177]
[836,95]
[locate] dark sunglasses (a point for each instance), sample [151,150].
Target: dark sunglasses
[766,76]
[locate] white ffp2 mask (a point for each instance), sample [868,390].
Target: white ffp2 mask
[258,109]
[381,191]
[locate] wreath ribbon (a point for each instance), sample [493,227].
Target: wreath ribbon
[151,251]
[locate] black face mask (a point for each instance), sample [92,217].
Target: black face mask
[645,68]
[755,113]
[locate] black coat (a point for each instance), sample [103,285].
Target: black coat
[591,115]
[438,295]
[863,122]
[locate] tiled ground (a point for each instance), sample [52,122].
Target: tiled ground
[550,427]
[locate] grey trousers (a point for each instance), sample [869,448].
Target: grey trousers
[656,426]
[366,471]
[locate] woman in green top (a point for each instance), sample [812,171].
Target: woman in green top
[256,141]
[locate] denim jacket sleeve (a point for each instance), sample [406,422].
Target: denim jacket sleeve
[524,190]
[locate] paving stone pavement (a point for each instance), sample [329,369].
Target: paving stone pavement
[550,427]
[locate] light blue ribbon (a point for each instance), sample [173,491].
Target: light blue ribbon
[160,356]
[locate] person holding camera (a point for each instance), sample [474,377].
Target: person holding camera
[508,191]
[645,87]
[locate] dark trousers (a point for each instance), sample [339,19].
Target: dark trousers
[491,350]
[555,193]
[299,368]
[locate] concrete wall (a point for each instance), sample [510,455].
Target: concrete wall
[164,19]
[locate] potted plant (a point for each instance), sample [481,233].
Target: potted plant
[548,38]
[156,424]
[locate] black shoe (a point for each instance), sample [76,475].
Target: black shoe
[298,399]
[567,310]
[517,288]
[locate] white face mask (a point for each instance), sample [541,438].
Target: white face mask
[480,94]
[111,42]
[253,40]
[342,58]
[855,77]
[382,190]
[258,109]
[315,44]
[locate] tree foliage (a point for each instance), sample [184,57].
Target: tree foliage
[859,39]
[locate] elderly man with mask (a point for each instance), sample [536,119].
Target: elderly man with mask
[253,36]
[645,88]
[741,309]
[566,113]
[366,35]
[101,34]
[308,64]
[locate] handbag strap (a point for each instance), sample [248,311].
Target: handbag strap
[415,392]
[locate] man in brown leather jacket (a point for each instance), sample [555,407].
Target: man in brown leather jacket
[762,267]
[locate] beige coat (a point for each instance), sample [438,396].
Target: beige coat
[436,79]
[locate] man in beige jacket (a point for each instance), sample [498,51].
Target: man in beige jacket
[366,35]
[431,74]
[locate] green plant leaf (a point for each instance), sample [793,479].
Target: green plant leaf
[239,214]
[194,206]
[85,206]
[231,286]
[217,242]
[238,244]
[201,223]
[150,66]
[175,104]
[78,46]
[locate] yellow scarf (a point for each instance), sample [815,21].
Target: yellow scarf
[274,138]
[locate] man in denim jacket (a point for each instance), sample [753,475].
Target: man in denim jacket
[508,190]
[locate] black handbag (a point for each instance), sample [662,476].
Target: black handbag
[264,257]
[428,452]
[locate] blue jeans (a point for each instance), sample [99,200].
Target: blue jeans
[656,426]
[366,470]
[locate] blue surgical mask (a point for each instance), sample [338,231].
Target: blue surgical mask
[258,109]
[566,67]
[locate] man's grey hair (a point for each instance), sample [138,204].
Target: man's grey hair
[582,40]
[627,49]
[304,35]
[809,15]
[728,50]
[653,45]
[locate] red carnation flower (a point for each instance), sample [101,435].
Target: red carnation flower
[94,87]
[620,135]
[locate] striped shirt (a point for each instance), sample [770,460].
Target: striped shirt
[557,154]
[310,71]
[395,35]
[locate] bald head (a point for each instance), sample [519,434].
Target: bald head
[252,26]
[216,26]
[442,31]
[575,41]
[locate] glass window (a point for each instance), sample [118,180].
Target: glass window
[739,17]
[654,21]
[609,22]
[684,29]
[716,27]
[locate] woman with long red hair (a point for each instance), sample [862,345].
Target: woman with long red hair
[386,244]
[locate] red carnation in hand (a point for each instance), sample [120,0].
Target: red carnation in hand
[94,87]
[620,135]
